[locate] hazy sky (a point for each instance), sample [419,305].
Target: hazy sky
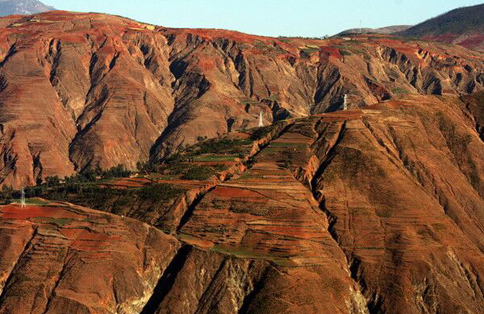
[270,17]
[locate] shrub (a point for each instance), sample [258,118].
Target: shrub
[118,171]
[345,53]
[222,146]
[260,133]
[159,192]
[52,181]
[199,173]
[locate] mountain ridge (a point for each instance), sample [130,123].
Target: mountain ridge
[185,84]
[463,26]
[22,7]
[388,30]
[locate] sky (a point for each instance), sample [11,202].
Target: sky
[310,18]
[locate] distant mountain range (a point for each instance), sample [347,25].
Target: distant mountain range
[463,26]
[382,30]
[24,7]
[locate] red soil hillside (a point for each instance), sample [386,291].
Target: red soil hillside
[371,210]
[79,90]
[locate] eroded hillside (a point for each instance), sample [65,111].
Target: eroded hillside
[372,210]
[78,91]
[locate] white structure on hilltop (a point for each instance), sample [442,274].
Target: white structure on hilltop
[345,102]
[22,198]
[261,121]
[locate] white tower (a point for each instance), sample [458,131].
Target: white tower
[345,103]
[22,198]
[261,121]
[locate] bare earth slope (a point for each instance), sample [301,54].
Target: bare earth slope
[375,209]
[85,90]
[380,210]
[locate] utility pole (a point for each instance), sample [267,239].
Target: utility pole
[22,198]
[261,121]
[345,102]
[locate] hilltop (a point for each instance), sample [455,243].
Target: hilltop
[463,26]
[382,30]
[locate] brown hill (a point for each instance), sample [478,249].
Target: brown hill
[463,26]
[372,210]
[388,30]
[80,91]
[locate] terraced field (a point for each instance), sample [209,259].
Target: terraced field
[266,212]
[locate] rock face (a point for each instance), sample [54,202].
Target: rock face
[24,7]
[79,91]
[463,26]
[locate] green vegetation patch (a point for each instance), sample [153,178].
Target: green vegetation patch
[273,98]
[400,91]
[345,53]
[201,173]
[159,192]
[59,222]
[214,158]
[223,146]
[260,133]
[115,200]
[251,208]
[287,145]
[189,171]
[248,253]
[309,49]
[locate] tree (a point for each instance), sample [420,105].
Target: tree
[52,181]
[6,194]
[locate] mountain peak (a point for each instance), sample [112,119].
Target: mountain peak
[24,7]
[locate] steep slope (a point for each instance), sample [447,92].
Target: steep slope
[463,26]
[81,91]
[371,210]
[24,7]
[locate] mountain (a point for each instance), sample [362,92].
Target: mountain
[382,30]
[374,209]
[463,26]
[22,7]
[81,91]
